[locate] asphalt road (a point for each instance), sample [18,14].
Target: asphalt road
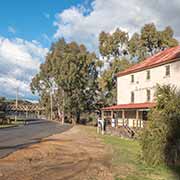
[15,138]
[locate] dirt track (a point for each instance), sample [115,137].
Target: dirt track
[73,155]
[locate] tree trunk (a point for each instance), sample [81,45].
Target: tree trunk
[78,115]
[59,113]
[73,121]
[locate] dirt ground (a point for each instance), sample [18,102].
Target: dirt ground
[73,155]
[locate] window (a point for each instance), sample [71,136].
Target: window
[132,78]
[145,115]
[148,76]
[167,70]
[107,113]
[148,95]
[132,97]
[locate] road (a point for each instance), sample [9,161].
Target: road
[15,138]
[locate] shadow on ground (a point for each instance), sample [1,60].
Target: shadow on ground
[176,171]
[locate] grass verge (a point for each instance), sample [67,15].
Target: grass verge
[128,165]
[12,124]
[7,126]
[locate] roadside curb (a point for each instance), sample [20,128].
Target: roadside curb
[9,127]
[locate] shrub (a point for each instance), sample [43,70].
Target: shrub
[160,139]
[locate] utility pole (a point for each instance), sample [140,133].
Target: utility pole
[16,104]
[51,102]
[63,106]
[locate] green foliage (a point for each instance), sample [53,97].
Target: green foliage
[113,45]
[2,110]
[107,81]
[150,41]
[2,106]
[147,43]
[161,138]
[127,165]
[72,71]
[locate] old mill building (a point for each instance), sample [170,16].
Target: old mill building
[136,87]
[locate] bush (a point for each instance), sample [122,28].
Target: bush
[160,139]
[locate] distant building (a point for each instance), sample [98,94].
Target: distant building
[136,86]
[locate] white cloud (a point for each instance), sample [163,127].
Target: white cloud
[19,62]
[46,37]
[83,26]
[11,29]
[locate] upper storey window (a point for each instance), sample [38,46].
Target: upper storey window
[168,71]
[148,75]
[132,97]
[132,78]
[148,95]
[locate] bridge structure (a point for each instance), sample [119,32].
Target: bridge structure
[24,110]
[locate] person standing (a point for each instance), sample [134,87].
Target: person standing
[100,126]
[113,122]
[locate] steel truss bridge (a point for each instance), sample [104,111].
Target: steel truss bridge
[24,110]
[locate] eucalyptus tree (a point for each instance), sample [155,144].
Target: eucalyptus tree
[150,41]
[107,80]
[113,47]
[74,72]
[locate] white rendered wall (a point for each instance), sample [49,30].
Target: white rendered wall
[141,84]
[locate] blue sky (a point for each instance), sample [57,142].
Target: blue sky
[28,27]
[31,19]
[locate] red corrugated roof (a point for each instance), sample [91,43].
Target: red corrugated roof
[131,106]
[163,57]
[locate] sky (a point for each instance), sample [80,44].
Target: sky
[27,29]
